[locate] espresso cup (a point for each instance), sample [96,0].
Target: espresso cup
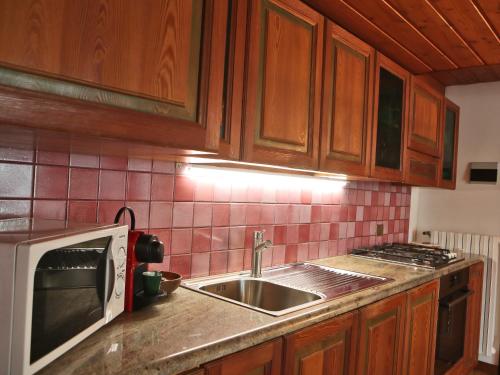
[151,281]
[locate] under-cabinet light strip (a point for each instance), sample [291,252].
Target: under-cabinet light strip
[219,175]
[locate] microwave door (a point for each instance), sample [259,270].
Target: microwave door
[70,294]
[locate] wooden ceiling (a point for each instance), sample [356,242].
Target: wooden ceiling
[456,41]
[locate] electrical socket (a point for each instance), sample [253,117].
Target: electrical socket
[380,229]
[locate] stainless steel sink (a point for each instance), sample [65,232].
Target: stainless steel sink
[285,289]
[261,294]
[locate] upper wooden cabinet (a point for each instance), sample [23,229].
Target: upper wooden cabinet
[421,328]
[327,348]
[420,169]
[230,131]
[391,107]
[264,359]
[283,84]
[165,57]
[347,103]
[426,106]
[448,170]
[381,337]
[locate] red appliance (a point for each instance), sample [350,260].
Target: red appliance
[142,249]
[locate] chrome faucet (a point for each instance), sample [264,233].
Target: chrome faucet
[259,245]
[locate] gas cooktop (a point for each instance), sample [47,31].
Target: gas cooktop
[410,254]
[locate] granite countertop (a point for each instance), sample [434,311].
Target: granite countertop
[188,329]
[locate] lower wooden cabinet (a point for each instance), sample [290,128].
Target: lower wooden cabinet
[396,335]
[263,359]
[381,337]
[327,348]
[421,328]
[473,323]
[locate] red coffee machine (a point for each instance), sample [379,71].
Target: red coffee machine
[142,249]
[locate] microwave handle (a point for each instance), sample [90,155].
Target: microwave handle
[110,283]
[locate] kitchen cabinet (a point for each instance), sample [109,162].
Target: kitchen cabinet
[283,84]
[264,359]
[390,119]
[381,337]
[396,335]
[230,130]
[420,169]
[327,348]
[421,328]
[473,321]
[161,57]
[347,103]
[448,170]
[424,133]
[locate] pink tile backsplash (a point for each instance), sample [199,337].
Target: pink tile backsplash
[207,227]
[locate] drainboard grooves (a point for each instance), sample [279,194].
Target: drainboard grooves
[329,281]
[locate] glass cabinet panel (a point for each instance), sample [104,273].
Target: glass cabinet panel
[390,120]
[449,145]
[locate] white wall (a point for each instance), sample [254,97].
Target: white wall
[471,207]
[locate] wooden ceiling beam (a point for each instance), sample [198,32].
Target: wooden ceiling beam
[469,23]
[485,18]
[473,74]
[356,23]
[491,12]
[456,33]
[383,15]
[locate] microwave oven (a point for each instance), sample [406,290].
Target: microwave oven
[59,283]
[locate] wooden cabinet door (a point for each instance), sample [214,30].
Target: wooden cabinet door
[327,348]
[421,329]
[347,103]
[420,169]
[231,127]
[426,108]
[162,57]
[264,359]
[473,321]
[381,337]
[448,169]
[283,84]
[390,119]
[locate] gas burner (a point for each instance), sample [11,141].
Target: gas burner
[410,254]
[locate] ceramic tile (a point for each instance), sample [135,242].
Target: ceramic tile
[15,208]
[202,238]
[113,162]
[220,238]
[184,188]
[50,182]
[83,183]
[181,241]
[52,158]
[84,160]
[112,185]
[160,215]
[162,187]
[202,216]
[82,212]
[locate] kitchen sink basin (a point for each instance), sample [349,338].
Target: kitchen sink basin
[261,294]
[285,289]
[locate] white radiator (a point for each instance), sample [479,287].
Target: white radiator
[489,246]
